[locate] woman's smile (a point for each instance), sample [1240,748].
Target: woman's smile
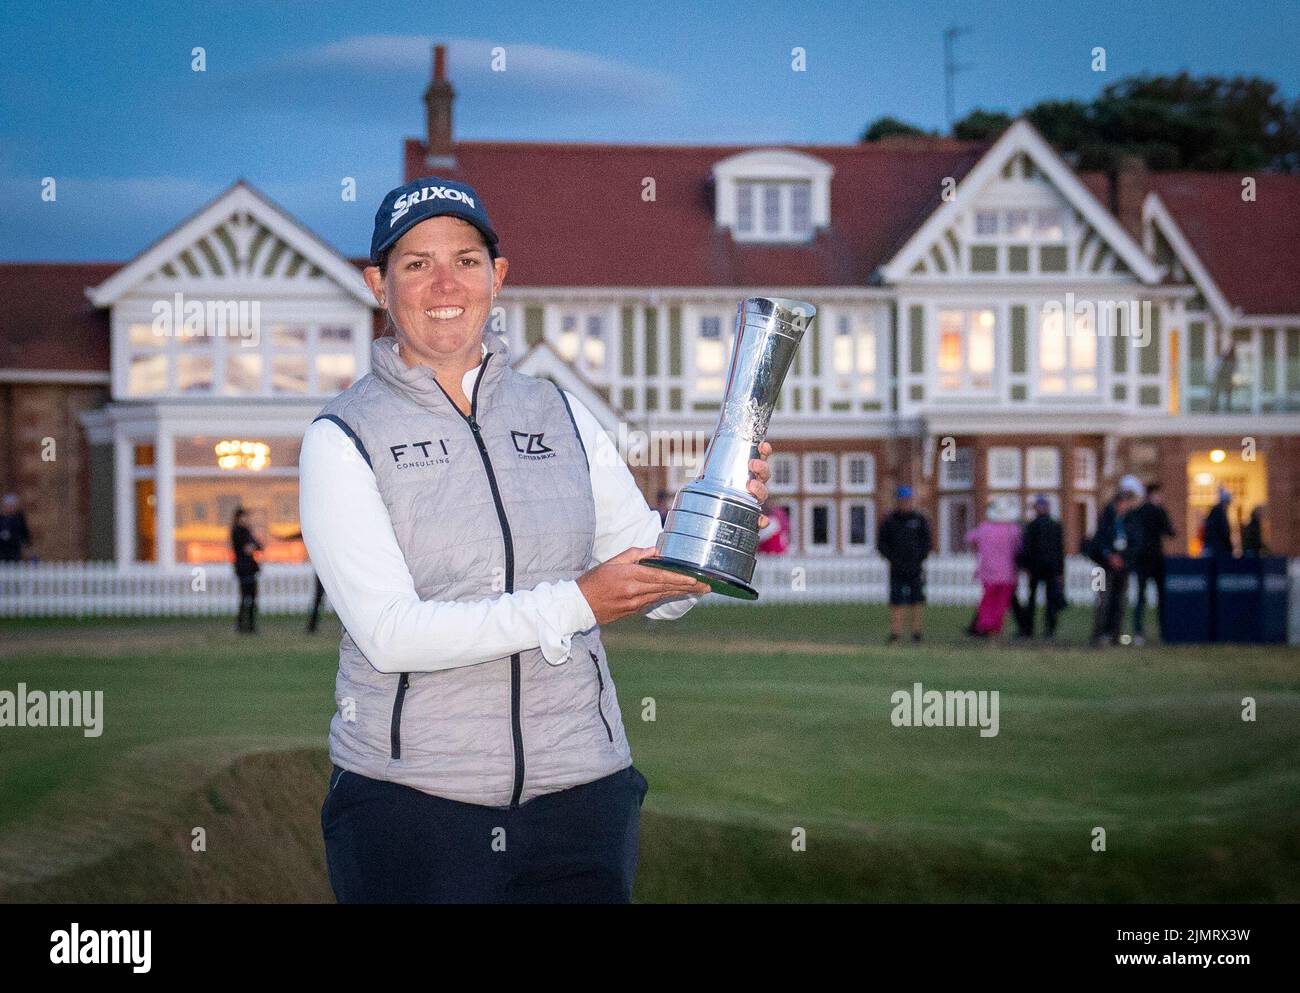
[444,313]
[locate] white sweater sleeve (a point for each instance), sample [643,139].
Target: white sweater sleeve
[350,538]
[623,519]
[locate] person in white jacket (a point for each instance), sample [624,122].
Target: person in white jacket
[413,824]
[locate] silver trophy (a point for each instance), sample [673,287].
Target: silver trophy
[711,533]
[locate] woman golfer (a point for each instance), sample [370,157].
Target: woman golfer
[473,528]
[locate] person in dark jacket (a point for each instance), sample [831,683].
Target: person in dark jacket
[1042,556]
[903,540]
[1153,527]
[13,530]
[1112,548]
[246,568]
[1252,535]
[1218,532]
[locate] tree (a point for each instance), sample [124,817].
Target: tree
[981,125]
[891,127]
[1177,122]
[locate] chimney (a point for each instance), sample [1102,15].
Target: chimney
[439,155]
[1128,187]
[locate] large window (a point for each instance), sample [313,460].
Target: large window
[1044,224]
[966,351]
[213,475]
[854,354]
[710,357]
[774,211]
[582,339]
[282,358]
[1067,353]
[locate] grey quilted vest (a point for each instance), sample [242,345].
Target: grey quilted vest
[494,502]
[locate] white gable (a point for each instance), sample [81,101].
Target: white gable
[1158,221]
[239,244]
[1020,213]
[543,363]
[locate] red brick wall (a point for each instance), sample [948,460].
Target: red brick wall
[55,494]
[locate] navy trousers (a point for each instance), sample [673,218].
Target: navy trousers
[389,843]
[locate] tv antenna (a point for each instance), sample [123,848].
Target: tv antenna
[950,69]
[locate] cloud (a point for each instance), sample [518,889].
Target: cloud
[369,77]
[94,218]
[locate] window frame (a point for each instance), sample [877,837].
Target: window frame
[868,548]
[965,389]
[806,510]
[846,485]
[809,486]
[1003,482]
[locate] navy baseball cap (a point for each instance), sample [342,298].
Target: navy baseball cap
[421,199]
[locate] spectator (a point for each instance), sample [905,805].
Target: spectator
[1112,548]
[996,542]
[1218,532]
[1152,526]
[1042,556]
[246,568]
[1224,376]
[13,530]
[903,539]
[1252,535]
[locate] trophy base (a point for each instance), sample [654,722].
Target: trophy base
[719,583]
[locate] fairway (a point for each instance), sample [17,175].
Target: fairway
[770,722]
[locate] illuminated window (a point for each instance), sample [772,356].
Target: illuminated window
[243,371]
[289,374]
[966,351]
[334,372]
[854,354]
[148,373]
[710,357]
[1067,363]
[582,340]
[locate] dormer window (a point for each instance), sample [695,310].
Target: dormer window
[781,211]
[772,195]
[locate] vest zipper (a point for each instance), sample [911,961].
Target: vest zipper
[516,728]
[396,732]
[600,692]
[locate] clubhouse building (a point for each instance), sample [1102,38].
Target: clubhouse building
[991,325]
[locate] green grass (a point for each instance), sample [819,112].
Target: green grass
[766,720]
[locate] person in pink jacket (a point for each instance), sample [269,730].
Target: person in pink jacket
[996,542]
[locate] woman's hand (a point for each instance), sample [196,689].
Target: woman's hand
[760,473]
[620,586]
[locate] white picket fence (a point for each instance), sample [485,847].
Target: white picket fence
[103,589]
